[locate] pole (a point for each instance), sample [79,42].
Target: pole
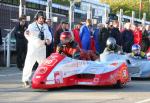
[140,8]
[149,8]
[8,50]
[20,8]
[49,9]
[71,13]
[144,19]
[89,12]
[133,16]
[106,15]
[120,18]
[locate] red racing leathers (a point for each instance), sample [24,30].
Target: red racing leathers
[73,50]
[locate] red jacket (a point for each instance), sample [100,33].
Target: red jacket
[137,36]
[76,36]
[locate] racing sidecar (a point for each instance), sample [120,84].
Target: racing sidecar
[137,67]
[60,71]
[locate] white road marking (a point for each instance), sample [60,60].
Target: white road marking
[144,101]
[2,75]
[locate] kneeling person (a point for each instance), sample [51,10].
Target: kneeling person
[137,53]
[112,47]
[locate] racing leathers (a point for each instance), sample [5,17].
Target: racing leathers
[73,50]
[70,49]
[36,47]
[141,55]
[117,49]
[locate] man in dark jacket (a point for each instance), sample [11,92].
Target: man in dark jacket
[104,34]
[61,29]
[21,42]
[127,38]
[115,33]
[50,48]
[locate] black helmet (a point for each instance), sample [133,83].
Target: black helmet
[111,43]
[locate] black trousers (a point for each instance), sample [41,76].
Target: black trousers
[21,49]
[49,49]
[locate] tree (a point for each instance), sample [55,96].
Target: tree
[128,6]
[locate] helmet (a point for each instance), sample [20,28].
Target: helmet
[65,37]
[136,48]
[111,43]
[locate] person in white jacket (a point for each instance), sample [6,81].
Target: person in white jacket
[37,35]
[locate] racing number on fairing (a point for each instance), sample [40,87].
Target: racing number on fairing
[124,73]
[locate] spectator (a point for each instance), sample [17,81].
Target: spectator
[62,28]
[112,47]
[0,37]
[145,39]
[127,38]
[76,32]
[85,35]
[104,34]
[50,48]
[115,33]
[21,42]
[37,35]
[96,37]
[137,33]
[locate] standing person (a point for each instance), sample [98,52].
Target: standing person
[96,37]
[76,33]
[0,37]
[50,48]
[37,35]
[62,28]
[137,33]
[85,35]
[21,41]
[127,38]
[115,33]
[146,38]
[104,34]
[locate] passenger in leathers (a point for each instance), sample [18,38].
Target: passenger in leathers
[137,53]
[21,41]
[37,35]
[112,47]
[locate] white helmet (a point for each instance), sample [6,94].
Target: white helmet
[136,47]
[111,43]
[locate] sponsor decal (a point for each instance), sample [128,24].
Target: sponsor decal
[96,80]
[50,62]
[124,73]
[85,83]
[58,77]
[37,77]
[50,82]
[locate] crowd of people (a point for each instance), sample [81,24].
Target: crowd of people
[38,40]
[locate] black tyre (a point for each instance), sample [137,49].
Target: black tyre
[119,84]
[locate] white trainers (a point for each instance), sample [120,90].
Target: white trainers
[26,84]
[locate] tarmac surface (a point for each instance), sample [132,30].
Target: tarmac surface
[12,91]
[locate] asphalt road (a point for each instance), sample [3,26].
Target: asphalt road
[11,91]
